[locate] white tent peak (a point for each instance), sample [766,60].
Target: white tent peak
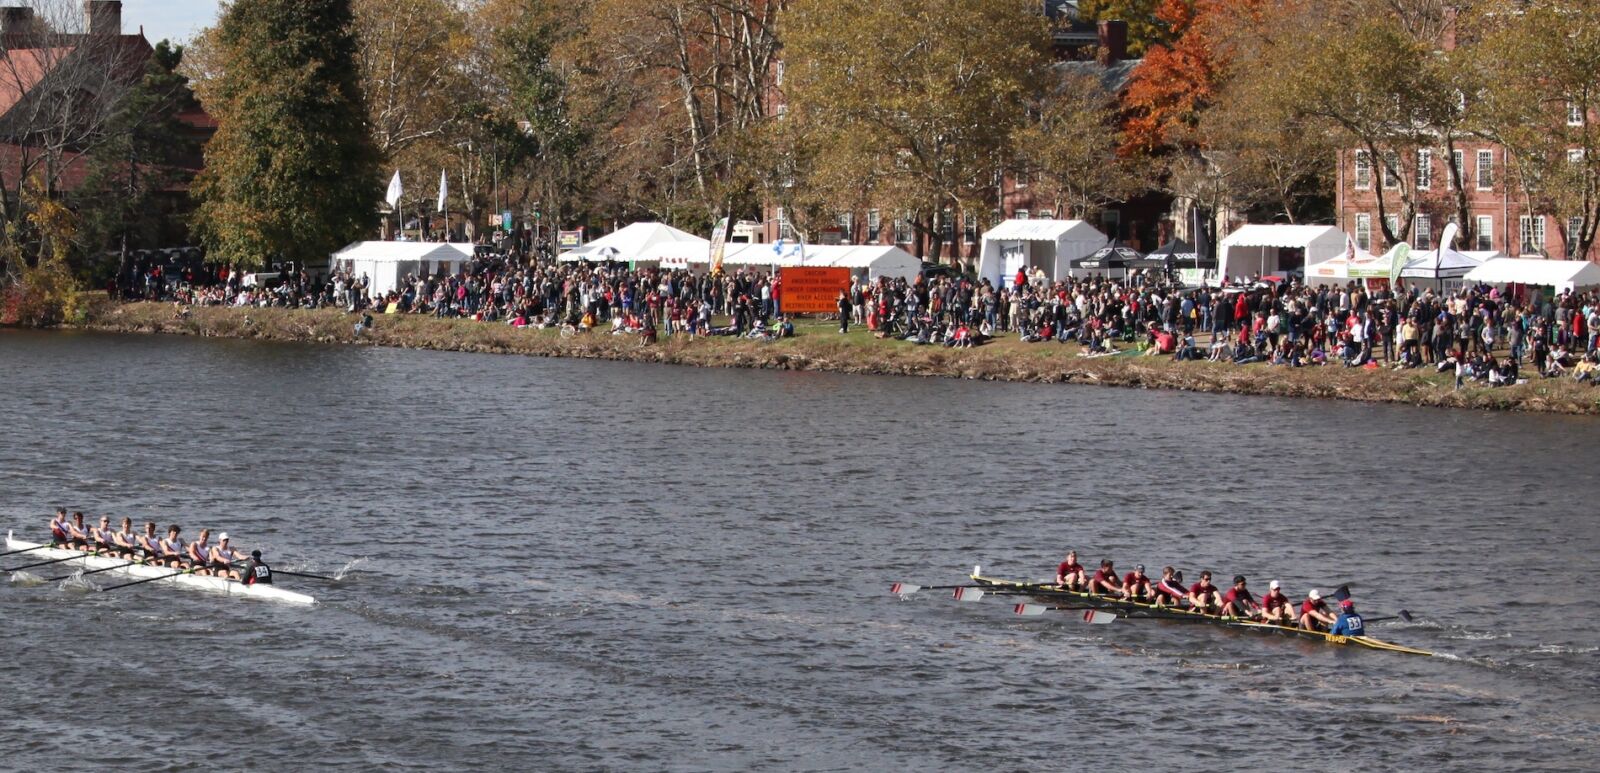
[640,241]
[1047,245]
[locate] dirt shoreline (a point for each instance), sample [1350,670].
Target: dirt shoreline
[821,348]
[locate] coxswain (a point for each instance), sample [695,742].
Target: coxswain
[122,540]
[197,556]
[1348,623]
[100,537]
[149,544]
[1276,607]
[1136,586]
[1204,597]
[256,571]
[1169,589]
[1239,601]
[1314,612]
[77,533]
[60,530]
[221,557]
[1105,581]
[171,547]
[1070,574]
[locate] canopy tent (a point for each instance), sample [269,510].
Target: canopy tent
[1445,263]
[1049,245]
[1354,263]
[1563,275]
[641,242]
[386,263]
[1108,259]
[1176,254]
[877,260]
[1257,248]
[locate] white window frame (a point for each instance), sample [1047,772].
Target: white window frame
[1458,161]
[1485,234]
[1530,235]
[1485,171]
[1574,232]
[1574,114]
[947,226]
[1575,155]
[1363,171]
[1393,222]
[1424,169]
[969,227]
[874,226]
[902,228]
[1391,171]
[1021,214]
[1364,231]
[1422,233]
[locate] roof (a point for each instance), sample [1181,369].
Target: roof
[1039,230]
[1282,236]
[639,241]
[405,252]
[1114,77]
[1560,274]
[22,69]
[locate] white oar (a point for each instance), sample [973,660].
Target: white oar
[1091,616]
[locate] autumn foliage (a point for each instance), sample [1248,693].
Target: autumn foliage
[1177,81]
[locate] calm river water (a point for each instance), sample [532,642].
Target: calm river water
[572,565]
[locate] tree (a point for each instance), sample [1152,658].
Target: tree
[1069,147]
[292,172]
[910,104]
[410,53]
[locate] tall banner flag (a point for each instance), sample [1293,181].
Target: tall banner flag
[444,191]
[719,242]
[393,196]
[1398,258]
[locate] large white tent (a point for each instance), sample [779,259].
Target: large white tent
[1049,245]
[386,263]
[1563,275]
[641,242]
[1254,249]
[876,260]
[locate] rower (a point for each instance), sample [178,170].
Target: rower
[100,536]
[1314,612]
[1136,586]
[198,554]
[122,540]
[171,547]
[221,558]
[1348,623]
[1238,601]
[1169,589]
[1105,581]
[60,531]
[1204,597]
[1070,573]
[256,571]
[1276,607]
[77,533]
[149,544]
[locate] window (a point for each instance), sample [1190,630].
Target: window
[846,223]
[783,110]
[1048,214]
[1022,180]
[1458,167]
[1111,223]
[1532,234]
[777,74]
[1364,232]
[1363,170]
[1391,170]
[1574,234]
[969,228]
[1393,223]
[874,226]
[1022,214]
[1485,232]
[1574,114]
[1423,233]
[1424,170]
[1575,155]
[902,229]
[1485,170]
[947,226]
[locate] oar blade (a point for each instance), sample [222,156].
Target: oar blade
[1098,617]
[968,594]
[903,589]
[1405,615]
[1030,610]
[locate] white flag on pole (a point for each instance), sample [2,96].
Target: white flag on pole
[444,190]
[393,197]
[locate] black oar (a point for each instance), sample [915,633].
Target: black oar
[1401,615]
[96,571]
[24,550]
[147,579]
[42,563]
[303,574]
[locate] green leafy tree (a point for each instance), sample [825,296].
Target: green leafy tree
[292,172]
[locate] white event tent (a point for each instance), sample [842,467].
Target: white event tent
[641,242]
[877,260]
[1049,245]
[1445,263]
[1254,248]
[386,263]
[1563,275]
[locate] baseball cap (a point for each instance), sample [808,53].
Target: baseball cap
[1273,585]
[1313,595]
[1139,568]
[1347,603]
[222,536]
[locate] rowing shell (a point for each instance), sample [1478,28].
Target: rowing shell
[1140,609]
[141,571]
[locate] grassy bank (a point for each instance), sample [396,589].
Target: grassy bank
[819,347]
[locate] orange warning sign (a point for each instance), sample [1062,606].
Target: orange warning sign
[803,290]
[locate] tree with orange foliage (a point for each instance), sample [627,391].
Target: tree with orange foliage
[1178,80]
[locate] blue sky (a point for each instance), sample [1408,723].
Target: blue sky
[172,19]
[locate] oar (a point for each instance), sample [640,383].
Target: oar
[903,589]
[1090,615]
[96,571]
[24,550]
[303,574]
[1401,615]
[42,563]
[147,579]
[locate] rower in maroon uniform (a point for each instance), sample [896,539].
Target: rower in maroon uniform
[1169,589]
[1203,596]
[1314,615]
[1105,581]
[1239,601]
[1136,586]
[1276,607]
[1070,573]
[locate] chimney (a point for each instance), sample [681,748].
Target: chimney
[15,20]
[1113,42]
[105,16]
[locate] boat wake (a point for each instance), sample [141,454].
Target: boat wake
[26,578]
[77,582]
[349,567]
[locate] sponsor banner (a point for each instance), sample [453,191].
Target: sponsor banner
[569,240]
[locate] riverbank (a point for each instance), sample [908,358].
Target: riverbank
[819,347]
